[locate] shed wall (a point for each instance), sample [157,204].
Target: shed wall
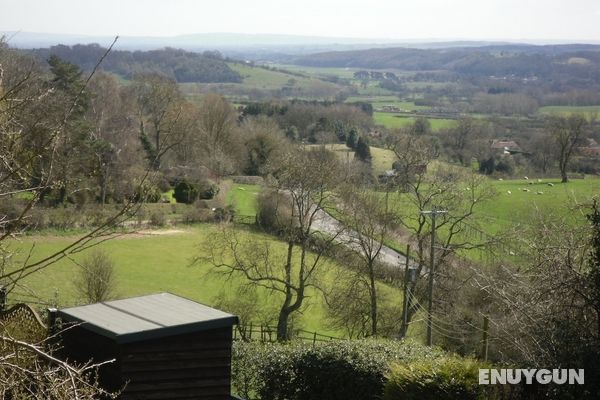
[188,366]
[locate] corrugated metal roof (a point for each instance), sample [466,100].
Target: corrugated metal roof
[147,317]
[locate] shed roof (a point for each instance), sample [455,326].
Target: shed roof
[147,317]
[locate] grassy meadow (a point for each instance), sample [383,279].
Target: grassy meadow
[156,261]
[569,109]
[394,120]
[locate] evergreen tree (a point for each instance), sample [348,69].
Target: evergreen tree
[362,151]
[352,139]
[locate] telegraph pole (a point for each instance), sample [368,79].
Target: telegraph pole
[433,213]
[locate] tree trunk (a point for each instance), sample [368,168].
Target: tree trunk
[373,294]
[282,325]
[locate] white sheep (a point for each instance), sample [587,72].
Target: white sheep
[526,178]
[550,184]
[508,192]
[540,193]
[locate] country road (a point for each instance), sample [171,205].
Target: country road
[327,224]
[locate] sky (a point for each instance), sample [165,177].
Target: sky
[569,20]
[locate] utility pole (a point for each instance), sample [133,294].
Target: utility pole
[433,214]
[406,302]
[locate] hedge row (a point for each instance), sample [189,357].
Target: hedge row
[329,370]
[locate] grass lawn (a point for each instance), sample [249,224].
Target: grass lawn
[569,109]
[243,198]
[151,263]
[392,120]
[381,101]
[519,206]
[382,159]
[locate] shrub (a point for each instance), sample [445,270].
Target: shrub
[96,279]
[330,370]
[157,218]
[163,184]
[274,212]
[185,192]
[196,214]
[446,378]
[224,214]
[148,194]
[207,190]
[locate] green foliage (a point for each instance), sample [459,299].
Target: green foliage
[446,378]
[177,64]
[158,219]
[352,139]
[362,150]
[185,192]
[207,190]
[330,370]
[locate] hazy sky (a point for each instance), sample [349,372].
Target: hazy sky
[395,19]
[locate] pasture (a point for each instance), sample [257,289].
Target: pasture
[562,110]
[394,120]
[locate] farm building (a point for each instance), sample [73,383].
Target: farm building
[164,346]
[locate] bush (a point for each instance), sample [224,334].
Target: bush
[96,279]
[185,192]
[208,190]
[447,378]
[158,218]
[330,370]
[224,214]
[196,214]
[274,212]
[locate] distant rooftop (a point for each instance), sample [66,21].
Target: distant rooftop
[147,317]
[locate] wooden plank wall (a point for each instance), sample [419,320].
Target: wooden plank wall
[190,366]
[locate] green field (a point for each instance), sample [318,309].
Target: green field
[382,159]
[346,73]
[392,120]
[380,101]
[243,198]
[519,206]
[257,80]
[160,261]
[569,109]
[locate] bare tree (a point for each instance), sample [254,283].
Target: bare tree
[164,117]
[96,279]
[427,185]
[566,133]
[369,217]
[32,127]
[305,179]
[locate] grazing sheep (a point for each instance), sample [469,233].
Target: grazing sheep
[540,193]
[525,190]
[500,179]
[550,184]
[526,178]
[508,192]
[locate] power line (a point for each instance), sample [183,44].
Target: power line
[433,214]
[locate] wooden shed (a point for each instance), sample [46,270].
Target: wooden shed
[165,346]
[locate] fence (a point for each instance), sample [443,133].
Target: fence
[267,333]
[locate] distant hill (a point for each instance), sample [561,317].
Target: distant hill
[266,47]
[494,60]
[182,66]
